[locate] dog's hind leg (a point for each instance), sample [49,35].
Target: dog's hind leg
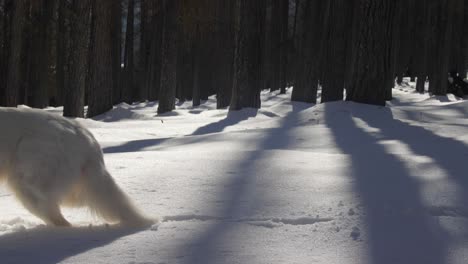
[38,204]
[36,181]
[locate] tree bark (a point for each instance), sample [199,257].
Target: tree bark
[247,58]
[14,61]
[100,92]
[226,53]
[40,93]
[116,50]
[444,33]
[196,56]
[61,53]
[283,48]
[169,57]
[128,88]
[335,60]
[421,46]
[153,81]
[4,47]
[75,91]
[309,50]
[372,63]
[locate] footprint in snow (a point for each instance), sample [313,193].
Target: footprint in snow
[356,233]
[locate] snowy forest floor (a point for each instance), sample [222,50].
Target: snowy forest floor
[289,183]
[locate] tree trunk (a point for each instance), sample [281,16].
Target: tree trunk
[196,55]
[247,58]
[142,92]
[116,50]
[14,61]
[4,47]
[464,67]
[169,57]
[283,48]
[372,64]
[128,88]
[309,50]
[457,56]
[100,92]
[226,53]
[445,27]
[153,80]
[421,46]
[61,53]
[334,66]
[75,91]
[40,93]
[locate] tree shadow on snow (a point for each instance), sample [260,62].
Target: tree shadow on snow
[134,146]
[231,119]
[445,152]
[54,244]
[399,229]
[241,200]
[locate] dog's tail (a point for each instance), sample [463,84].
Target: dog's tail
[106,199]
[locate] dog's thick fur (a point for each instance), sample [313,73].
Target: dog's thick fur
[49,161]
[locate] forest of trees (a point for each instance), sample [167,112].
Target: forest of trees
[99,53]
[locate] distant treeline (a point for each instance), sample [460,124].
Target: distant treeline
[102,52]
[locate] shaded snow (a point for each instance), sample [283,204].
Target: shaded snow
[289,183]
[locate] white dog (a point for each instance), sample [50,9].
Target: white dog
[49,161]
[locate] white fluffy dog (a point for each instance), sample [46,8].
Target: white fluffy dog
[49,161]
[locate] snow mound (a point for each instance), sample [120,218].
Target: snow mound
[121,112]
[16,224]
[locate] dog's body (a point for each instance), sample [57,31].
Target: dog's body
[49,161]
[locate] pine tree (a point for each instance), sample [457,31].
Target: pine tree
[14,60]
[128,84]
[247,57]
[75,91]
[372,63]
[169,57]
[100,90]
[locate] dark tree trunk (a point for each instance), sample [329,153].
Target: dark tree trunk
[277,50]
[74,96]
[392,53]
[309,50]
[40,93]
[116,50]
[169,57]
[372,63]
[457,56]
[405,39]
[421,47]
[334,66]
[247,59]
[444,33]
[14,60]
[75,91]
[283,48]
[433,15]
[61,53]
[196,55]
[153,80]
[464,60]
[143,51]
[279,31]
[100,92]
[4,46]
[226,53]
[128,88]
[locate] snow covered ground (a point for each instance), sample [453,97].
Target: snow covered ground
[290,183]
